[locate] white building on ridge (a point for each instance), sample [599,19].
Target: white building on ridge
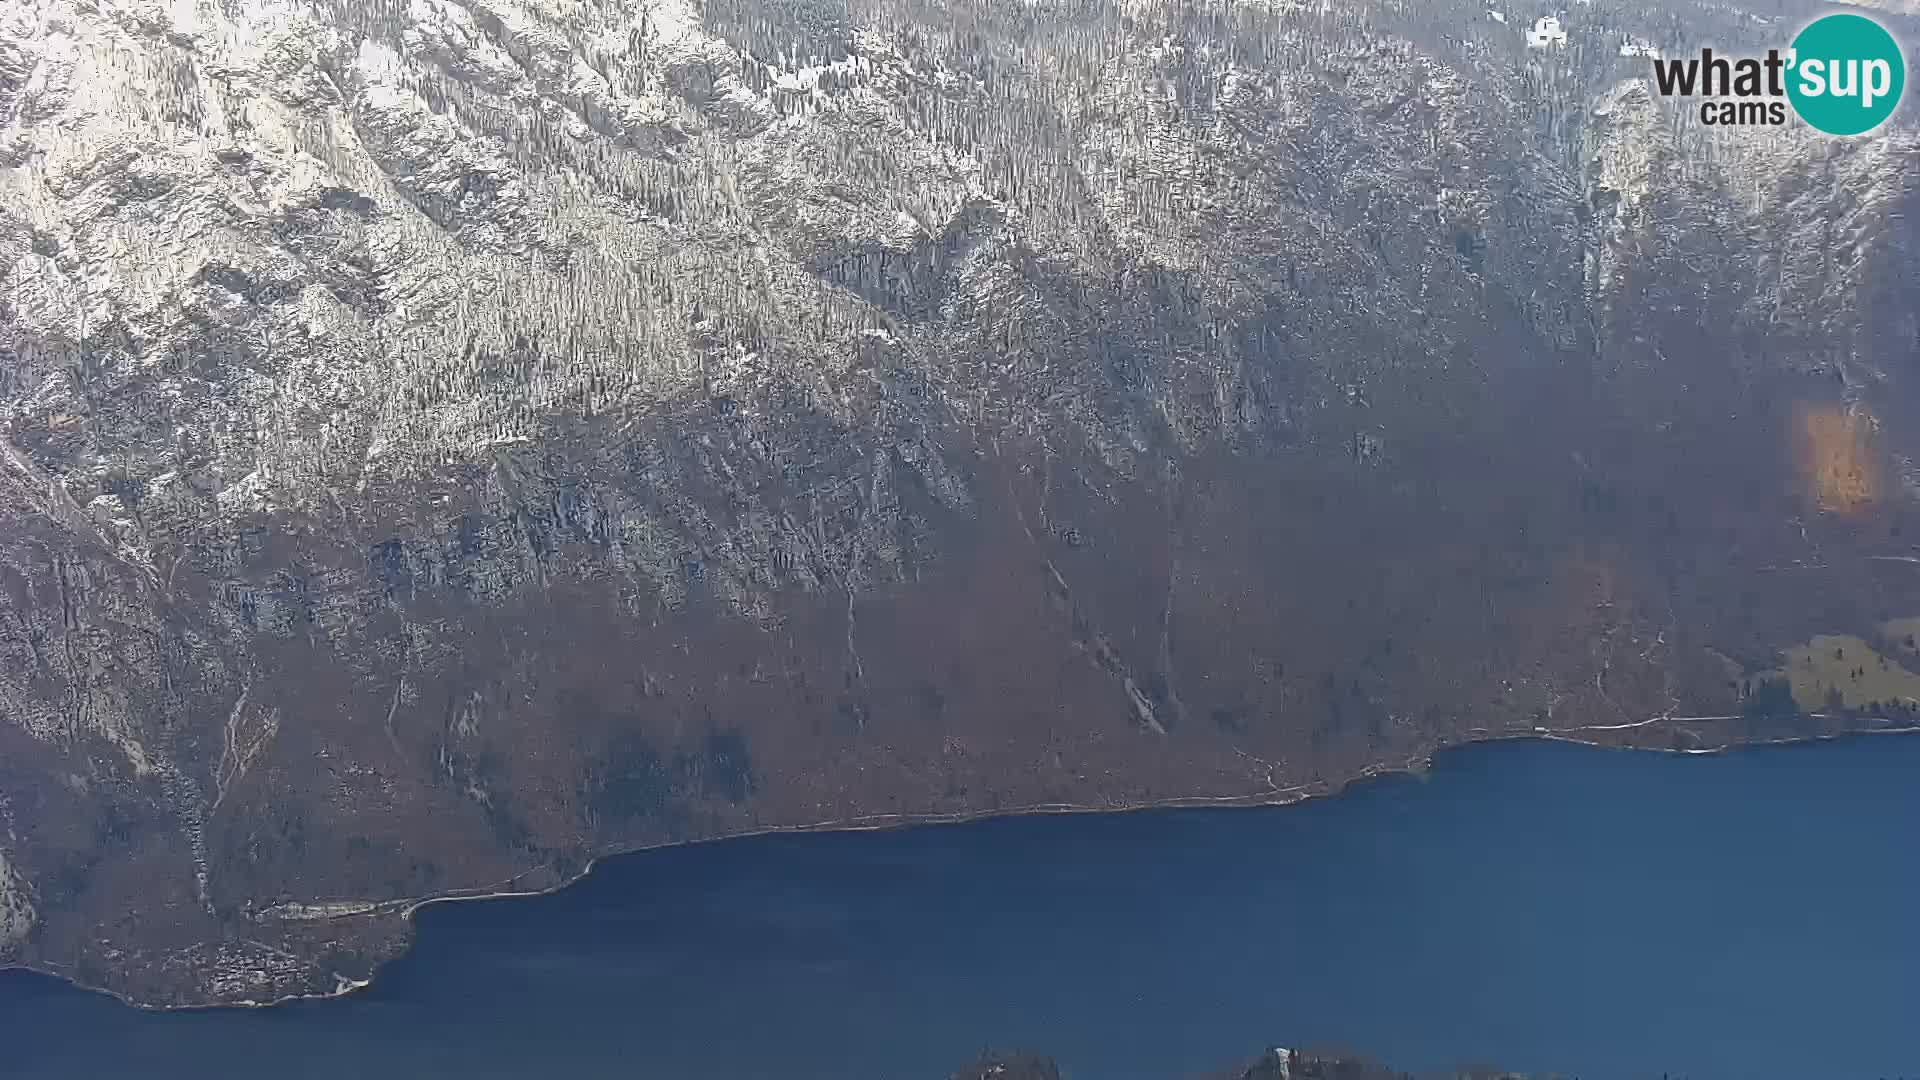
[1546,34]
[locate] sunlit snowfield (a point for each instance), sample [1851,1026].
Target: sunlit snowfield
[1539,905]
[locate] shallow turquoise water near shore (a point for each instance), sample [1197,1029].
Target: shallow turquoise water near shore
[1545,906]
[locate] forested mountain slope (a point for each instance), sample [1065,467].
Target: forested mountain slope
[449,440]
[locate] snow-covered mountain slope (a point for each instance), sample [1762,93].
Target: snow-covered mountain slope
[449,440]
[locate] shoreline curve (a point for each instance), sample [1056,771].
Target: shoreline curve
[1281,797]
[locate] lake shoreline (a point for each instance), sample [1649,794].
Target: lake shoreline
[1601,737]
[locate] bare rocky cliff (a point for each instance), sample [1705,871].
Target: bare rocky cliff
[448,441]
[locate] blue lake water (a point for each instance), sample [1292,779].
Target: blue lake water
[1541,905]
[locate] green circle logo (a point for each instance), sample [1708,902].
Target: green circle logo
[1846,74]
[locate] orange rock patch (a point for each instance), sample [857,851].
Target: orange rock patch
[1837,459]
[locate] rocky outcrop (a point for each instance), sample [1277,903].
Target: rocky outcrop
[1276,1064]
[16,909]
